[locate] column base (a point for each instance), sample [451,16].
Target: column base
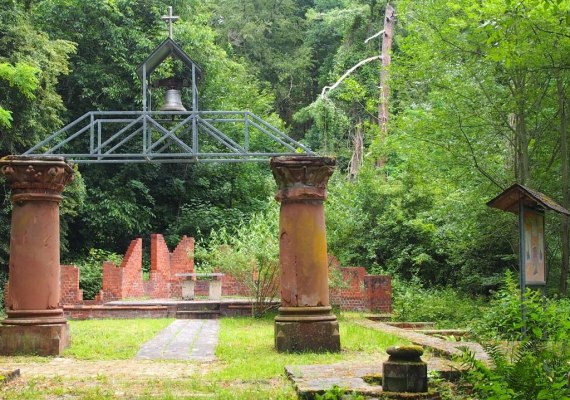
[39,340]
[306,329]
[35,317]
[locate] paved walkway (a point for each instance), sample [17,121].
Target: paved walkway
[438,346]
[184,339]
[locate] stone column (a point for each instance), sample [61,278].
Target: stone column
[305,321]
[35,322]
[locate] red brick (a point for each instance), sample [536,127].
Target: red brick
[69,281]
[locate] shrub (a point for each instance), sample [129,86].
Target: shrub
[537,366]
[546,319]
[91,271]
[445,306]
[250,254]
[536,370]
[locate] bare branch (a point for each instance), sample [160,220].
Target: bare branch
[347,73]
[374,36]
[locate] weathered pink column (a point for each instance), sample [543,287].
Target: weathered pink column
[35,322]
[305,321]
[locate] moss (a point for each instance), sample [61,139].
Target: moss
[375,379]
[406,352]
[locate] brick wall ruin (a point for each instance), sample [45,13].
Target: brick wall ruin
[70,292]
[126,280]
[357,291]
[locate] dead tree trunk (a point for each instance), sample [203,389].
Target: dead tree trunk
[385,50]
[358,152]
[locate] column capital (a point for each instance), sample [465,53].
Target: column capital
[302,177]
[36,178]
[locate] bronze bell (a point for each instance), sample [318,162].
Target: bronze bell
[173,101]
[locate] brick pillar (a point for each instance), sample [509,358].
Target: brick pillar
[35,322]
[305,321]
[379,293]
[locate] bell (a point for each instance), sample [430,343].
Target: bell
[173,101]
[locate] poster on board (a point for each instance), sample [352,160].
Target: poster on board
[534,250]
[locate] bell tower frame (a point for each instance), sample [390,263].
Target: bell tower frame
[179,136]
[168,48]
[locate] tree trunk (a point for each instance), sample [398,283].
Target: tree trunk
[522,163]
[385,50]
[358,151]
[565,175]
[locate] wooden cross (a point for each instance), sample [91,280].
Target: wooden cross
[170,19]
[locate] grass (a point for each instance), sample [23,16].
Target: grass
[244,340]
[111,339]
[248,367]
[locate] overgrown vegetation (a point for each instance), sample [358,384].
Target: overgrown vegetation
[546,319]
[448,308]
[530,357]
[91,271]
[532,370]
[249,253]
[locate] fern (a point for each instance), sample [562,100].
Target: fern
[535,370]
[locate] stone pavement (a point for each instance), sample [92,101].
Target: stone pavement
[362,377]
[184,339]
[441,347]
[356,377]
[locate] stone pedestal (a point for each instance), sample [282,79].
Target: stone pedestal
[305,321]
[35,322]
[215,289]
[188,289]
[405,371]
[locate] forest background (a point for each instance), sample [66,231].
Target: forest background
[478,100]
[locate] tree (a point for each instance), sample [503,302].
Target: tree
[31,65]
[125,201]
[269,35]
[475,81]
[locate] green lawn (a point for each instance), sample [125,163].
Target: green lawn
[111,339]
[247,367]
[243,340]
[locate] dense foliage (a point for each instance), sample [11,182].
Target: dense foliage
[479,97]
[530,365]
[250,253]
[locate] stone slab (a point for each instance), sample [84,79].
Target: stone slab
[39,340]
[183,340]
[438,346]
[310,380]
[215,290]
